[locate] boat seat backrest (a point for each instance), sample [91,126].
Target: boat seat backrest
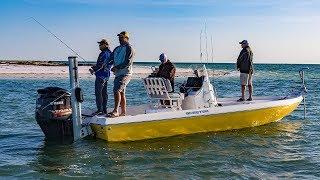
[159,89]
[156,87]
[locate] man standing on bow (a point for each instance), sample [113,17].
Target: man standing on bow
[122,58]
[102,72]
[245,66]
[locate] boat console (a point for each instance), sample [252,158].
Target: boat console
[196,93]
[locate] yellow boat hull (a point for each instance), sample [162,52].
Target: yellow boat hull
[189,125]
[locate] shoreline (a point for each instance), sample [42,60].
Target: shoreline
[43,63]
[32,71]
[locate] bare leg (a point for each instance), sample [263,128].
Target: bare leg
[123,103]
[250,87]
[117,99]
[243,90]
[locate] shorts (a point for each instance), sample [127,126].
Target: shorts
[245,79]
[120,83]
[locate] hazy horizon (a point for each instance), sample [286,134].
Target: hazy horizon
[158,62]
[282,32]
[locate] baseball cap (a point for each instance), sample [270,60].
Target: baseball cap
[124,33]
[162,57]
[103,41]
[243,42]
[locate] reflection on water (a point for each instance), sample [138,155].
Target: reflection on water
[150,158]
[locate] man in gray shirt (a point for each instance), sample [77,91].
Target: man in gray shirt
[122,57]
[245,66]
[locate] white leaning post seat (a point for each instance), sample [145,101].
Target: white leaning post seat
[159,89]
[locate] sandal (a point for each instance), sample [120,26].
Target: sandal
[112,115]
[97,113]
[240,100]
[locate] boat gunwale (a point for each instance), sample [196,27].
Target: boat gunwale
[195,112]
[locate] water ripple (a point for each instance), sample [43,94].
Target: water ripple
[286,149]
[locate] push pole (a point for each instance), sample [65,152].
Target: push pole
[304,98]
[304,90]
[76,106]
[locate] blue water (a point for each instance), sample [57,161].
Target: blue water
[286,149]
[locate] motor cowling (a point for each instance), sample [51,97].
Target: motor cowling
[53,113]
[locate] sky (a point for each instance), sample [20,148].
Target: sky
[282,31]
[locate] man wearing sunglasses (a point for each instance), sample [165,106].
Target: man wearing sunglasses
[102,71]
[122,58]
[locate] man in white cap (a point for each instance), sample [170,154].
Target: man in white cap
[245,66]
[166,69]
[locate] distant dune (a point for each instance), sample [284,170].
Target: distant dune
[52,69]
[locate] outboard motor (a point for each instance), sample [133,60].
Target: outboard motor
[53,114]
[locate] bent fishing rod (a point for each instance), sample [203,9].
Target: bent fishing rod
[58,38]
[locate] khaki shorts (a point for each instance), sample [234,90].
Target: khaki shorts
[120,83]
[245,79]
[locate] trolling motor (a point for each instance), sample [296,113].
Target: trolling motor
[58,112]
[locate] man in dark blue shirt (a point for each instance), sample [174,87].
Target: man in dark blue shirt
[102,72]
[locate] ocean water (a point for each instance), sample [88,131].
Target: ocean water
[286,149]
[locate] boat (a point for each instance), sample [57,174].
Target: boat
[196,109]
[200,111]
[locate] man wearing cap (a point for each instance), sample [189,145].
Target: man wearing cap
[245,66]
[122,57]
[102,71]
[166,69]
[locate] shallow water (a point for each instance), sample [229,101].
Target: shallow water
[286,149]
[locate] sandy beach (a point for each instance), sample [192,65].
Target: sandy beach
[36,71]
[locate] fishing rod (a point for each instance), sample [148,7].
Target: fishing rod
[206,34]
[58,39]
[63,44]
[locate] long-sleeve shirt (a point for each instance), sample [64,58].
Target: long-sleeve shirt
[122,58]
[168,71]
[244,61]
[103,65]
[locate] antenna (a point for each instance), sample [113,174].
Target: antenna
[214,89]
[201,46]
[211,50]
[207,55]
[212,59]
